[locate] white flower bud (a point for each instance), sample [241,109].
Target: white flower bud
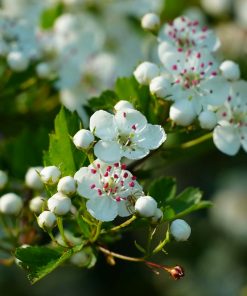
[230,70]
[146,206]
[157,217]
[59,204]
[180,230]
[50,175]
[150,21]
[182,112]
[83,139]
[207,119]
[159,86]
[70,237]
[43,70]
[17,61]
[80,259]
[145,72]
[36,204]
[33,179]
[67,185]
[123,105]
[3,179]
[46,220]
[11,204]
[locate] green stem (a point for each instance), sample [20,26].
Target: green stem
[196,141]
[163,243]
[97,232]
[126,223]
[61,230]
[90,156]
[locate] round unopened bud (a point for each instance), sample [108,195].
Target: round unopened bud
[150,21]
[50,175]
[157,217]
[11,204]
[182,112]
[17,61]
[46,220]
[207,119]
[180,230]
[230,70]
[146,206]
[43,70]
[83,139]
[36,204]
[33,179]
[59,204]
[67,185]
[145,72]
[123,105]
[81,259]
[3,179]
[159,86]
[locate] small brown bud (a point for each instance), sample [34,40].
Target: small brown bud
[176,272]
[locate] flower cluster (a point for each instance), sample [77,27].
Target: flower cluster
[202,90]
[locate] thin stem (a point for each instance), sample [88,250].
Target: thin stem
[196,141]
[61,230]
[97,232]
[90,156]
[120,256]
[124,224]
[163,243]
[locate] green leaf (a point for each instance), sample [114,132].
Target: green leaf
[106,101]
[62,152]
[185,203]
[49,16]
[163,190]
[40,261]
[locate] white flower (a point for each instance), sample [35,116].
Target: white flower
[43,70]
[67,185]
[184,34]
[17,61]
[83,139]
[180,230]
[150,21]
[50,175]
[111,190]
[160,86]
[59,204]
[11,204]
[122,104]
[33,179]
[207,119]
[157,217]
[217,7]
[145,72]
[230,70]
[3,179]
[80,259]
[46,220]
[125,134]
[231,132]
[36,204]
[182,112]
[196,78]
[146,206]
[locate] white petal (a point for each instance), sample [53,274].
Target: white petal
[102,208]
[173,62]
[151,137]
[216,89]
[103,125]
[227,139]
[135,152]
[244,138]
[108,151]
[124,210]
[85,179]
[129,118]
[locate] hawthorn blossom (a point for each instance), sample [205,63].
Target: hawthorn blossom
[196,78]
[231,132]
[111,190]
[125,134]
[184,35]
